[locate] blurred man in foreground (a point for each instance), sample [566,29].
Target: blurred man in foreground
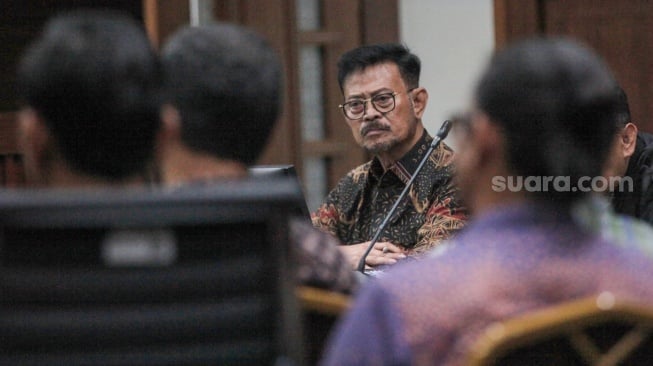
[90,113]
[223,93]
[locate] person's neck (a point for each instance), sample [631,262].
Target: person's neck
[184,166]
[488,196]
[489,201]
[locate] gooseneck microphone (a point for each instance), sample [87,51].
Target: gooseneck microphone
[441,135]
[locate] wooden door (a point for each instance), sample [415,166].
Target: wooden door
[620,31]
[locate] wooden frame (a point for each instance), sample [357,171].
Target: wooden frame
[619,31]
[568,319]
[322,301]
[515,19]
[163,17]
[320,310]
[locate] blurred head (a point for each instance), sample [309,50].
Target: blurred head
[625,139]
[543,108]
[90,84]
[383,103]
[225,83]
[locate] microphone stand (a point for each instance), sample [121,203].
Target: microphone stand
[441,135]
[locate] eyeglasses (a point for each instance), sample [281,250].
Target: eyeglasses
[383,103]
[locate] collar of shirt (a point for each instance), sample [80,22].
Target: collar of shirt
[406,166]
[593,212]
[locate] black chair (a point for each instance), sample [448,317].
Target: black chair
[159,277]
[278,171]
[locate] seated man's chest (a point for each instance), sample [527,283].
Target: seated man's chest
[374,205]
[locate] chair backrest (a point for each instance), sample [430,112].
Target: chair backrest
[320,301]
[282,170]
[192,276]
[597,330]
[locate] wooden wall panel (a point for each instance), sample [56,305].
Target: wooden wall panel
[275,20]
[164,17]
[380,21]
[620,31]
[8,127]
[343,17]
[514,19]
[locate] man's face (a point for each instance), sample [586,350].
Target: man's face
[31,137]
[392,133]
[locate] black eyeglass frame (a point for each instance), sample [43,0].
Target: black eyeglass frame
[343,106]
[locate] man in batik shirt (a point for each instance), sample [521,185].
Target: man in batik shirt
[383,106]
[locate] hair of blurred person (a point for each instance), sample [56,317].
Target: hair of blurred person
[553,102]
[225,82]
[91,82]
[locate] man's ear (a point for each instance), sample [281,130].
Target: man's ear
[30,129]
[419,97]
[35,143]
[169,135]
[170,121]
[628,139]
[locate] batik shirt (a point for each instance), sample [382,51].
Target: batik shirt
[432,210]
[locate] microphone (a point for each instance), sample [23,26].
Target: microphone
[441,135]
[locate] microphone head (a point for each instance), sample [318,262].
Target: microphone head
[444,129]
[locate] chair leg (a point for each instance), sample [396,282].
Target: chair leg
[585,347]
[624,347]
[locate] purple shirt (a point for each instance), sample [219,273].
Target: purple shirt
[514,259]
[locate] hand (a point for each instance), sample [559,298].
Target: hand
[383,253]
